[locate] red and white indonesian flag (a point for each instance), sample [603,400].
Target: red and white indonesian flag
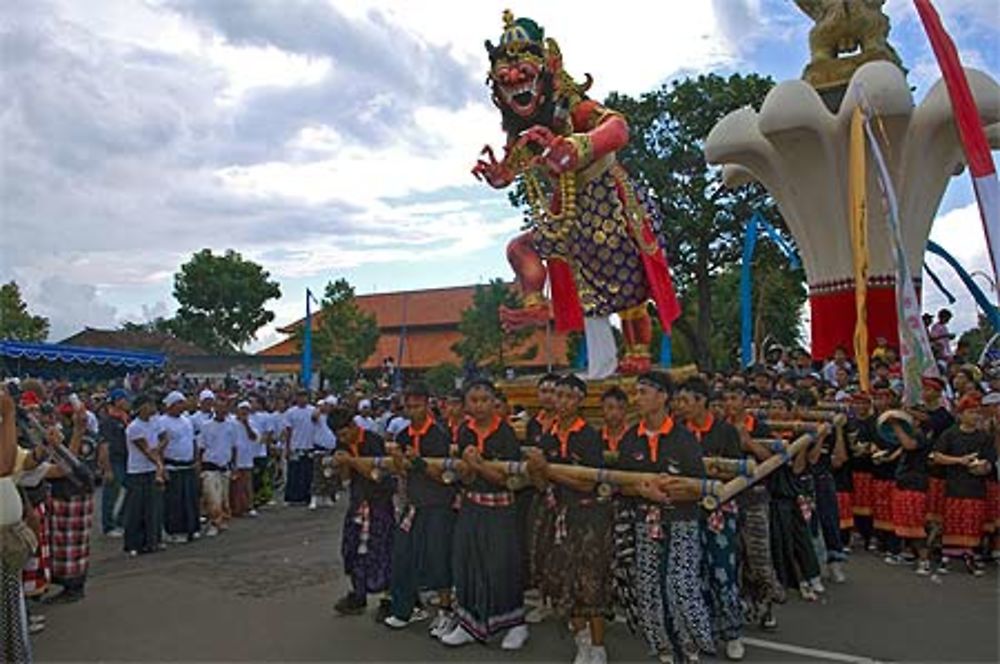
[970,129]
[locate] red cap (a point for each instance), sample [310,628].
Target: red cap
[861,397]
[970,401]
[65,409]
[932,383]
[29,399]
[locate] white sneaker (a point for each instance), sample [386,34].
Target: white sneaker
[735,650]
[837,572]
[117,533]
[396,623]
[253,513]
[817,586]
[458,637]
[445,627]
[212,531]
[515,638]
[440,620]
[598,655]
[313,503]
[538,614]
[419,614]
[808,594]
[583,646]
[924,567]
[665,657]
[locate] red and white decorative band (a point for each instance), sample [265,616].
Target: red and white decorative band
[847,284]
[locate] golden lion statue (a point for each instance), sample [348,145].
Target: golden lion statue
[847,34]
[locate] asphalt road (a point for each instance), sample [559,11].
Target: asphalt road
[265,590]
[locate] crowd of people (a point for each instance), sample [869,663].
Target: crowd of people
[436,529]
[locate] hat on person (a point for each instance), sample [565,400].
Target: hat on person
[243,404]
[29,399]
[116,394]
[173,398]
[932,383]
[364,403]
[991,399]
[66,409]
[970,401]
[206,395]
[330,400]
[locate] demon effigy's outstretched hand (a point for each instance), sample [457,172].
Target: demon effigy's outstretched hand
[496,173]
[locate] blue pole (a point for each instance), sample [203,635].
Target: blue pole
[746,303]
[307,345]
[666,352]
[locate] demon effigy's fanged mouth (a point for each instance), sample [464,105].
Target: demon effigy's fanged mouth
[520,86]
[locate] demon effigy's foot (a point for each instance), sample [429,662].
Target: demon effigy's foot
[634,363]
[535,315]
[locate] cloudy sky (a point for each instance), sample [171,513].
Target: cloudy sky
[326,139]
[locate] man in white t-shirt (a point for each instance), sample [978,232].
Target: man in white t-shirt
[298,438]
[324,481]
[241,486]
[144,478]
[263,424]
[217,445]
[180,500]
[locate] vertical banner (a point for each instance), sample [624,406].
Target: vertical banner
[307,361]
[858,223]
[915,347]
[970,129]
[754,227]
[746,303]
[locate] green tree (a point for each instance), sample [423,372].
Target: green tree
[441,378]
[16,322]
[703,222]
[158,324]
[484,342]
[344,337]
[222,300]
[973,341]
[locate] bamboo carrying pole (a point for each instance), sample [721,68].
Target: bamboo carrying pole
[764,469]
[766,414]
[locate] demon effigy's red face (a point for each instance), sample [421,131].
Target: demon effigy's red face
[519,84]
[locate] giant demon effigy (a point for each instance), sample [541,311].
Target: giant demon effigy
[590,234]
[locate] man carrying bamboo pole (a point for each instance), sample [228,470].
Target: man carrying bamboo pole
[657,546]
[760,587]
[577,576]
[718,438]
[486,554]
[421,544]
[366,544]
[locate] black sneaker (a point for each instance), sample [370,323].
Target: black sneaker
[384,610]
[768,622]
[350,605]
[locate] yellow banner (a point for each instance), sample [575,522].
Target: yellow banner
[858,223]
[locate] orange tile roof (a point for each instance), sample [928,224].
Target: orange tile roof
[431,319]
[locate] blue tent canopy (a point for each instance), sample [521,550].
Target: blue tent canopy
[130,359]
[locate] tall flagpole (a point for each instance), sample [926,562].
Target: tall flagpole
[307,344]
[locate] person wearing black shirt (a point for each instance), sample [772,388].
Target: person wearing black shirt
[366,540]
[577,577]
[933,419]
[111,456]
[486,554]
[421,545]
[861,436]
[718,438]
[909,496]
[534,520]
[660,550]
[760,586]
[968,456]
[884,480]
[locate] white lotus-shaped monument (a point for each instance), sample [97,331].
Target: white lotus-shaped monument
[798,150]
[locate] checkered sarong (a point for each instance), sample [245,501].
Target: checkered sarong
[70,521]
[37,572]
